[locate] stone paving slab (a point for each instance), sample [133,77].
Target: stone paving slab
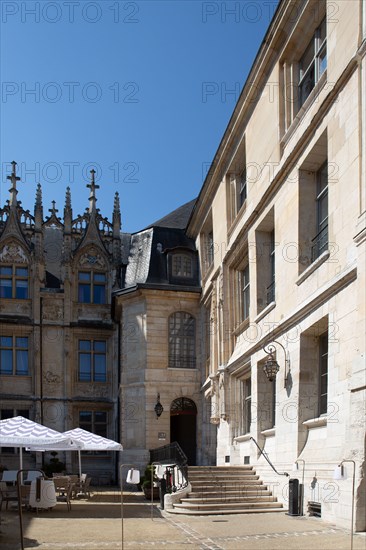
[96,524]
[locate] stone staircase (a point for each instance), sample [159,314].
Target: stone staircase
[226,490]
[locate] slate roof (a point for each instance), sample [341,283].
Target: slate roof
[147,259]
[178,219]
[144,255]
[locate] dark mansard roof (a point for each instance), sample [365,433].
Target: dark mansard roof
[178,219]
[144,254]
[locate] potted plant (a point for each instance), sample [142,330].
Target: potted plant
[54,466]
[146,483]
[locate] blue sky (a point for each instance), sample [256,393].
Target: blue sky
[142,91]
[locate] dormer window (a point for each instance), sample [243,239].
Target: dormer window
[182,266]
[92,287]
[14,282]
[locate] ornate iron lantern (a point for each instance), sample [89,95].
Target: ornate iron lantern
[158,407]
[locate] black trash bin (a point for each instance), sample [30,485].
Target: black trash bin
[293,498]
[162,491]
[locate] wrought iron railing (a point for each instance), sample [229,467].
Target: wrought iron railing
[175,460]
[320,243]
[270,293]
[268,460]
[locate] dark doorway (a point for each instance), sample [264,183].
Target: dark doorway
[183,413]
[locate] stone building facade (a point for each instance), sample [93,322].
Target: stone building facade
[95,324]
[59,344]
[265,270]
[280,229]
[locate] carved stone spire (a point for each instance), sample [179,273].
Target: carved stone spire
[68,211]
[53,210]
[92,198]
[68,199]
[38,209]
[13,190]
[116,216]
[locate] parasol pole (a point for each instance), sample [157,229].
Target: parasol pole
[79,456]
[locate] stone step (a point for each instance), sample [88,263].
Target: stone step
[229,494]
[222,479]
[234,485]
[223,475]
[221,512]
[226,506]
[228,500]
[219,468]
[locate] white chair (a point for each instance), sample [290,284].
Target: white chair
[31,476]
[10,476]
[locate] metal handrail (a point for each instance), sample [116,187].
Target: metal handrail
[269,462]
[320,243]
[270,297]
[173,456]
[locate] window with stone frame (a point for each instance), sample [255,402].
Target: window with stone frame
[92,287]
[247,404]
[95,422]
[244,293]
[323,374]
[182,266]
[313,62]
[92,361]
[237,183]
[14,281]
[320,241]
[238,192]
[303,62]
[266,399]
[182,340]
[207,245]
[239,289]
[313,383]
[313,225]
[266,262]
[209,248]
[241,401]
[11,413]
[14,355]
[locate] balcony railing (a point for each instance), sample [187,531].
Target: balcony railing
[320,243]
[270,293]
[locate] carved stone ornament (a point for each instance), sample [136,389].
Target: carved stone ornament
[213,303]
[13,253]
[52,312]
[51,378]
[93,391]
[221,288]
[92,258]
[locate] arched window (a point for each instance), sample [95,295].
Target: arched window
[182,341]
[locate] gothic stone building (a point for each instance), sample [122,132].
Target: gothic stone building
[248,324]
[94,324]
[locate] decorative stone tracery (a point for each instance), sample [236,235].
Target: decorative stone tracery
[13,253]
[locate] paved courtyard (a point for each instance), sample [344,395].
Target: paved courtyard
[96,524]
